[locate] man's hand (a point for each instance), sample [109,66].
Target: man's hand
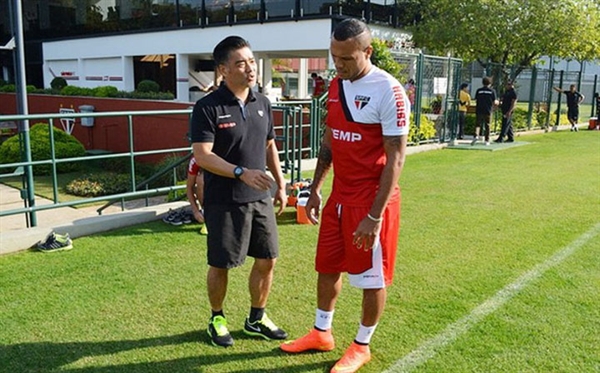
[313,207]
[257,179]
[280,199]
[365,234]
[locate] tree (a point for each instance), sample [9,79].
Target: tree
[512,33]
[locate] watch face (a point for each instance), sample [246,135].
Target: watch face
[238,171]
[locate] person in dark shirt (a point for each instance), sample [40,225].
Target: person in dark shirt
[574,98]
[508,103]
[233,141]
[486,101]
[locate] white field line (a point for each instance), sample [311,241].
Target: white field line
[428,349]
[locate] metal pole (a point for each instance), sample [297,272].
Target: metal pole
[560,84]
[594,102]
[21,88]
[531,96]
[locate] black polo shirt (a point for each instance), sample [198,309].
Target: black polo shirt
[485,97]
[239,134]
[507,100]
[572,98]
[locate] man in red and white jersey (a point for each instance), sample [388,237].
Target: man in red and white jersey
[365,142]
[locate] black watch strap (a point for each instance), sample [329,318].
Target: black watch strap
[238,171]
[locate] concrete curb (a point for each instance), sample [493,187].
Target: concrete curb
[23,239]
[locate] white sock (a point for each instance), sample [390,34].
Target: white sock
[365,333]
[324,319]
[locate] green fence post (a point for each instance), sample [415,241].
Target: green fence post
[560,84]
[419,90]
[531,96]
[593,93]
[549,99]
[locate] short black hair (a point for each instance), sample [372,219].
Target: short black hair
[486,80]
[349,28]
[313,75]
[464,85]
[226,46]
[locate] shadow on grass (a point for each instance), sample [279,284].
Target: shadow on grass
[46,357]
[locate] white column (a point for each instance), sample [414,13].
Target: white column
[267,78]
[182,77]
[303,90]
[128,84]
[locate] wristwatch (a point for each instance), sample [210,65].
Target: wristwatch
[238,171]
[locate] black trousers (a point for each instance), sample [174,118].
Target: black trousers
[507,128]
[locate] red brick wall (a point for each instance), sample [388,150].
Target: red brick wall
[111,133]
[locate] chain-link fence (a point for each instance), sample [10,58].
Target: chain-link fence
[433,87]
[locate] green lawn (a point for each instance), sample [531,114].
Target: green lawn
[473,223]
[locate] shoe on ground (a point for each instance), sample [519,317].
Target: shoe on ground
[264,328]
[474,141]
[187,217]
[55,242]
[178,218]
[218,332]
[315,340]
[487,143]
[510,140]
[354,358]
[576,129]
[172,214]
[499,141]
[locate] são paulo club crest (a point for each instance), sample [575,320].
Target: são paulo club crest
[361,101]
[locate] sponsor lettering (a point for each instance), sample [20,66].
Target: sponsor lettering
[400,107]
[226,125]
[346,135]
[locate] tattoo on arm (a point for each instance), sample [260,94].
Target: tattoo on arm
[323,162]
[392,141]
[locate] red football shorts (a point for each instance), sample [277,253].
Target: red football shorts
[371,269]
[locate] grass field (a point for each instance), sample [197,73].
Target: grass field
[498,270]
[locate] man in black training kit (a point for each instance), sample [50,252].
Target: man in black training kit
[508,104]
[486,101]
[574,98]
[233,141]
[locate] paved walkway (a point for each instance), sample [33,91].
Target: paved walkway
[15,236]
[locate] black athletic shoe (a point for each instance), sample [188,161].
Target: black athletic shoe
[218,332]
[264,328]
[55,242]
[510,140]
[172,214]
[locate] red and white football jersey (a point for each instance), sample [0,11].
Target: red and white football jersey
[359,114]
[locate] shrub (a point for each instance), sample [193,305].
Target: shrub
[148,86]
[167,162]
[105,91]
[177,195]
[65,146]
[426,130]
[100,184]
[77,91]
[58,83]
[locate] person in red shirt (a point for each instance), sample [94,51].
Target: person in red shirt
[195,192]
[318,85]
[365,142]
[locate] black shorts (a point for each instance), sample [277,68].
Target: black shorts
[239,230]
[573,113]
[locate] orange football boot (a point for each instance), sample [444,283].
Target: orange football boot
[355,357]
[315,340]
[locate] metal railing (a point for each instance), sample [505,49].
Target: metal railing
[295,145]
